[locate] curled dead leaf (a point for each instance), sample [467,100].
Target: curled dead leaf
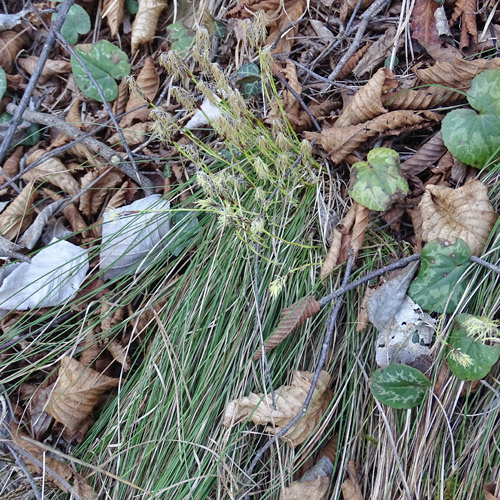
[347,7]
[466,9]
[291,318]
[367,102]
[340,142]
[353,61]
[52,170]
[134,134]
[92,199]
[51,465]
[78,225]
[465,212]
[351,489]
[289,401]
[11,43]
[145,22]
[315,489]
[50,69]
[456,74]
[113,11]
[77,391]
[425,98]
[18,215]
[427,154]
[11,164]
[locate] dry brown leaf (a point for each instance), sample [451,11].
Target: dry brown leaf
[351,490]
[340,142]
[92,199]
[145,22]
[292,11]
[347,7]
[247,8]
[148,82]
[77,391]
[425,98]
[427,154]
[50,68]
[78,225]
[79,486]
[316,489]
[40,421]
[423,23]
[353,61]
[465,212]
[466,9]
[491,491]
[118,198]
[376,53]
[113,11]
[120,354]
[120,102]
[289,401]
[330,449]
[367,102]
[16,218]
[363,320]
[291,318]
[10,45]
[11,164]
[457,74]
[52,170]
[134,134]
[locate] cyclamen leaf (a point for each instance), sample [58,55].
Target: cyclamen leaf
[3,82]
[182,38]
[249,79]
[482,356]
[77,22]
[377,182]
[291,318]
[106,62]
[437,284]
[399,386]
[474,138]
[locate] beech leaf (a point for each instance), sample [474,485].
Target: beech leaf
[465,212]
[482,356]
[145,22]
[291,318]
[289,400]
[399,386]
[474,138]
[437,287]
[377,182]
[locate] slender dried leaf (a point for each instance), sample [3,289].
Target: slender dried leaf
[351,489]
[367,102]
[353,61]
[465,212]
[18,215]
[425,98]
[50,68]
[145,22]
[291,318]
[77,391]
[340,142]
[113,11]
[289,400]
[427,154]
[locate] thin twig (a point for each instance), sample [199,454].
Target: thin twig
[367,277]
[366,17]
[486,264]
[109,154]
[44,55]
[301,101]
[319,366]
[322,78]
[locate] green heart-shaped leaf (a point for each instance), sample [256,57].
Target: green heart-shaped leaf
[469,359]
[474,138]
[182,38]
[441,267]
[106,62]
[3,82]
[399,386]
[377,183]
[77,22]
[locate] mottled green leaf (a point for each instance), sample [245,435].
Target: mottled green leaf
[106,62]
[399,386]
[131,6]
[377,182]
[249,79]
[182,38]
[3,82]
[469,359]
[77,22]
[474,138]
[442,265]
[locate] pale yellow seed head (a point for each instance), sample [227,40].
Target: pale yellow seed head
[208,92]
[305,147]
[163,125]
[237,104]
[174,65]
[256,31]
[266,61]
[184,98]
[262,143]
[277,286]
[260,194]
[460,357]
[258,226]
[220,78]
[482,328]
[261,168]
[282,141]
[282,163]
